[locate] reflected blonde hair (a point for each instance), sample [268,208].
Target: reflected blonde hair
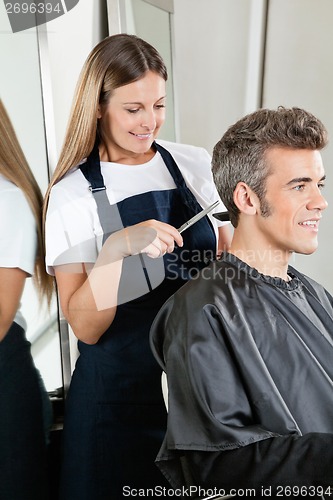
[14,166]
[116,61]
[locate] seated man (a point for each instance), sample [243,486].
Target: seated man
[248,345]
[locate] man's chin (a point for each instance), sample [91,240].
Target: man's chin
[308,250]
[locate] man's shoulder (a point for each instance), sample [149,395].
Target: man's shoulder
[211,282]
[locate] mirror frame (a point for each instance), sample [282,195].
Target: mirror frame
[51,154]
[117,21]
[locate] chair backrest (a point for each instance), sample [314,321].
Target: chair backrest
[164,383]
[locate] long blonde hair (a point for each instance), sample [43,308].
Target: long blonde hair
[116,61]
[14,166]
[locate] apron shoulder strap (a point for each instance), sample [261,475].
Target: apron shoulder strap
[171,165]
[109,216]
[92,171]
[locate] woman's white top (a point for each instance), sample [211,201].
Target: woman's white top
[18,237]
[72,221]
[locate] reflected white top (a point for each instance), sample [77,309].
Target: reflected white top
[72,219]
[18,237]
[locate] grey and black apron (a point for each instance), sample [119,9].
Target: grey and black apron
[115,415]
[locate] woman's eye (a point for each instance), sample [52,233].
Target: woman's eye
[133,110]
[160,106]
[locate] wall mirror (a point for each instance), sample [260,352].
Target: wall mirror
[21,93]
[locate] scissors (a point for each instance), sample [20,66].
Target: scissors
[198,216]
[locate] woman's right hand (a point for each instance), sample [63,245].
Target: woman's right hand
[152,237]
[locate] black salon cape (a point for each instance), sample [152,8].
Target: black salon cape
[249,361]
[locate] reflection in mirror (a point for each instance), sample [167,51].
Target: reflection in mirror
[25,407]
[21,94]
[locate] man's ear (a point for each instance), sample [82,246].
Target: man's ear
[245,199]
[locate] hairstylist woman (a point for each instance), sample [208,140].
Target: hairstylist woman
[115,416]
[23,399]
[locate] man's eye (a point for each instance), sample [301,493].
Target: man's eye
[299,187]
[321,185]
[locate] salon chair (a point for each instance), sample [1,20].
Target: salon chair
[186,472]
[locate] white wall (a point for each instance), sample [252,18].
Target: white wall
[211,39]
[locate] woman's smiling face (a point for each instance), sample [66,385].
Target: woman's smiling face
[131,120]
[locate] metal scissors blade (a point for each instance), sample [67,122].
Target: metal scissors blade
[198,216]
